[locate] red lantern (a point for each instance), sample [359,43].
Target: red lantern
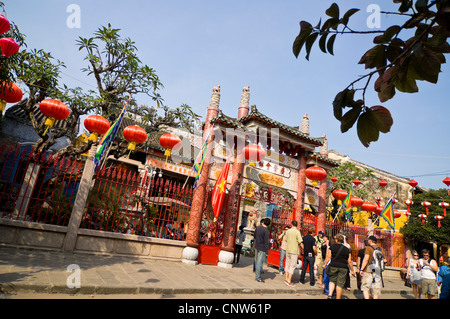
[378,199]
[254,153]
[397,213]
[383,183]
[340,195]
[8,46]
[369,207]
[378,210]
[169,142]
[96,124]
[356,182]
[408,203]
[446,181]
[334,179]
[356,202]
[407,215]
[4,24]
[412,183]
[54,110]
[444,205]
[315,174]
[423,216]
[11,93]
[426,205]
[439,218]
[134,134]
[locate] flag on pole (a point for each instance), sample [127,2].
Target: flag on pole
[388,213]
[218,193]
[108,138]
[198,165]
[347,205]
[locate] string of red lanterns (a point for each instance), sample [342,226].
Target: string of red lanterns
[54,110]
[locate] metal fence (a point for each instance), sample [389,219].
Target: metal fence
[37,187]
[139,203]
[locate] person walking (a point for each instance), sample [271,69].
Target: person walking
[281,238]
[293,240]
[261,247]
[240,238]
[444,279]
[320,257]
[414,274]
[428,272]
[359,259]
[370,273]
[341,262]
[309,255]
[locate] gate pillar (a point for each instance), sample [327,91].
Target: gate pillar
[301,186]
[190,252]
[226,255]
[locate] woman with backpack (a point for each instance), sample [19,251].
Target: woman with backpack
[371,269]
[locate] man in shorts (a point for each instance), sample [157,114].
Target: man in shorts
[370,278]
[293,239]
[428,272]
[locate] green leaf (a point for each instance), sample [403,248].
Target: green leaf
[404,78]
[382,117]
[349,118]
[333,11]
[374,58]
[309,43]
[305,30]
[367,128]
[322,42]
[330,44]
[342,99]
[347,16]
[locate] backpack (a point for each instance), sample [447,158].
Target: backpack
[377,262]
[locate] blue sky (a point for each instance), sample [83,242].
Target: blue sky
[195,45]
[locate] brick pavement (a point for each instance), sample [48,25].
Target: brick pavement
[33,270]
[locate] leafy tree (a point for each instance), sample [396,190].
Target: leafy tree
[397,61]
[414,231]
[119,74]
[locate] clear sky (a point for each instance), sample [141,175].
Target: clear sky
[195,45]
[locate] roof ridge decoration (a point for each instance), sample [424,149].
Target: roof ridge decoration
[286,128]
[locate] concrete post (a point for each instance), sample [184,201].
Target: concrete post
[80,201]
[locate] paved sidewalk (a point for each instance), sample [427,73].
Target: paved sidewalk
[29,270]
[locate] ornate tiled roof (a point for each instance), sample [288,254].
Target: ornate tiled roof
[227,121]
[292,131]
[322,158]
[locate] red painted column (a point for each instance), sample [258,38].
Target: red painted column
[321,215]
[190,253]
[301,187]
[226,255]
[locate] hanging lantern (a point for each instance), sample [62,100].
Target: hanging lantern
[378,210]
[8,46]
[356,182]
[96,125]
[356,202]
[426,205]
[378,199]
[407,213]
[4,24]
[397,213]
[383,183]
[412,183]
[369,207]
[54,110]
[169,142]
[439,218]
[254,153]
[423,216]
[315,174]
[334,179]
[444,205]
[134,134]
[340,195]
[408,203]
[394,201]
[11,94]
[446,181]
